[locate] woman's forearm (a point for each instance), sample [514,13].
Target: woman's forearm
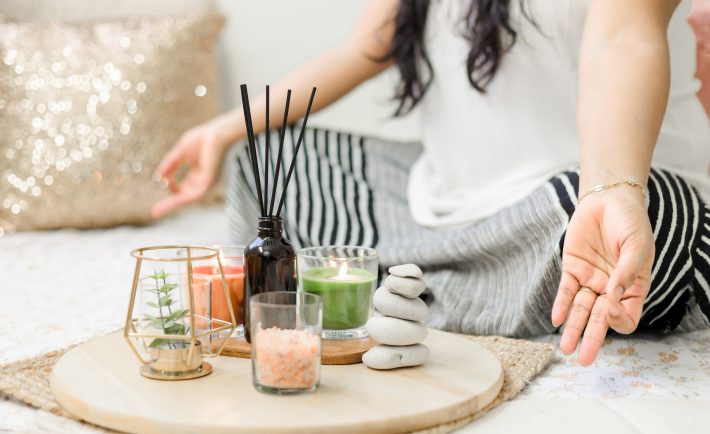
[334,72]
[623,88]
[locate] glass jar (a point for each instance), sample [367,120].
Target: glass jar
[346,278]
[286,341]
[232,261]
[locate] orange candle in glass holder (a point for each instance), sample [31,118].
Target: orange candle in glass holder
[232,264]
[234,275]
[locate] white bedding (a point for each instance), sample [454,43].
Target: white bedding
[63,287]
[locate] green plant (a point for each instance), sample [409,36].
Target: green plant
[168,320]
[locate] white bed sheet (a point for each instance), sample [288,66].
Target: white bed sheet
[63,287]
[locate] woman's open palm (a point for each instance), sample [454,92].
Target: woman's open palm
[609,249]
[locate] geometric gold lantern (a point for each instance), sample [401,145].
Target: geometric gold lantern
[169,324]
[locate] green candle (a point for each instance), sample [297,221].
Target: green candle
[346,295]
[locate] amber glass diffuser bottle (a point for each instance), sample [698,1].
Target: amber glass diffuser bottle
[270,263]
[269,260]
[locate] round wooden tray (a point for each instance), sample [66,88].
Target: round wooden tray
[99,382]
[333,352]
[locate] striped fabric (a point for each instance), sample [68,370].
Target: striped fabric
[497,276]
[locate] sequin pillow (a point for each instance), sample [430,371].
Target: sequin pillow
[88,110]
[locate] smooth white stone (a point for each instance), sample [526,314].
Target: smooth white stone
[406,270]
[394,331]
[397,306]
[391,357]
[407,286]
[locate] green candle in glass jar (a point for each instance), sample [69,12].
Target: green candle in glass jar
[346,294]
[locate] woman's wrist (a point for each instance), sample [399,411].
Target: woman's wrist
[228,128]
[601,181]
[595,171]
[621,193]
[628,182]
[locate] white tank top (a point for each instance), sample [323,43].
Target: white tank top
[484,152]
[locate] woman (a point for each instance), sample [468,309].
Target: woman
[512,94]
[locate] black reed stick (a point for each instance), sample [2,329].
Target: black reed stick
[258,156]
[249,142]
[268,147]
[252,146]
[282,134]
[295,152]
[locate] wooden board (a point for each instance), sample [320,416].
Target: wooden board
[333,352]
[99,382]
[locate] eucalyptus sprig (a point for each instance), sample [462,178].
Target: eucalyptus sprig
[169,322]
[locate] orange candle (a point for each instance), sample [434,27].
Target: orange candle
[234,275]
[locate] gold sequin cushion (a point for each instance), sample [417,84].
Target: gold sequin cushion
[88,110]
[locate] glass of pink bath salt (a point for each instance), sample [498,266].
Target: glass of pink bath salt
[286,342]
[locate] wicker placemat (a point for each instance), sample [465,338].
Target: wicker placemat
[27,381]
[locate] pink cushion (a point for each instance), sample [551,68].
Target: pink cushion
[700,20]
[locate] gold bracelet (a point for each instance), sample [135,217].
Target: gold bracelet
[632,182]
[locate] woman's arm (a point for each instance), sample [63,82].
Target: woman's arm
[609,247]
[335,72]
[623,88]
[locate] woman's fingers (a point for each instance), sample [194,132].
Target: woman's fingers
[595,332]
[565,294]
[171,162]
[192,189]
[173,202]
[624,316]
[577,321]
[632,256]
[631,281]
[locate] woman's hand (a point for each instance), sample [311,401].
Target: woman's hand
[201,149]
[609,248]
[624,82]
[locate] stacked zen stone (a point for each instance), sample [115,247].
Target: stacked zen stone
[400,330]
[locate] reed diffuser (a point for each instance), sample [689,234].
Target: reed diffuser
[269,260]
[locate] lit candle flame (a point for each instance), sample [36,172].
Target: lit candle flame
[343,275]
[343,271]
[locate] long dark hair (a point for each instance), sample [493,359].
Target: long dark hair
[487,28]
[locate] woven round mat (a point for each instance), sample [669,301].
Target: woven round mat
[27,381]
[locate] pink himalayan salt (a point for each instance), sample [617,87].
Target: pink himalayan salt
[287,358]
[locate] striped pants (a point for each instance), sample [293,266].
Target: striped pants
[495,276]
